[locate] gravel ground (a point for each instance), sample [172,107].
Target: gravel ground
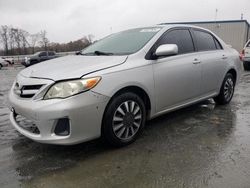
[200,146]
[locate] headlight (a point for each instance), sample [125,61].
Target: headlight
[27,60]
[69,88]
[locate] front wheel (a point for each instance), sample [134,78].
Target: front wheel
[226,91]
[124,119]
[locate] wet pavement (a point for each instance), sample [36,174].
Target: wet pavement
[200,146]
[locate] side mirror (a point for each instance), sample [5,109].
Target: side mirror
[166,50]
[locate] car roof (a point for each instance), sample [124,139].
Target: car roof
[166,25]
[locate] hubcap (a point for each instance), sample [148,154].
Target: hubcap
[127,120]
[228,89]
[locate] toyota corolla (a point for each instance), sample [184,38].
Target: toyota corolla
[119,82]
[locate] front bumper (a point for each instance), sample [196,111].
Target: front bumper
[84,111]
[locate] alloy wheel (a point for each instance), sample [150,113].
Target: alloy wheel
[228,89]
[127,120]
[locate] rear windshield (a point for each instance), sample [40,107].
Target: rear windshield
[122,43]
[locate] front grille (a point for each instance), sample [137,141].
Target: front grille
[27,96]
[26,124]
[27,91]
[32,87]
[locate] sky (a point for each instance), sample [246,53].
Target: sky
[69,20]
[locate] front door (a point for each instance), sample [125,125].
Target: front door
[177,78]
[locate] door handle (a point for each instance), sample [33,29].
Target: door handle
[224,57]
[196,61]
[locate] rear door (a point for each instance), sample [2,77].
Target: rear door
[213,60]
[177,78]
[43,56]
[51,55]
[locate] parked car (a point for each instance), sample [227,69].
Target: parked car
[246,56]
[3,63]
[119,82]
[9,60]
[39,57]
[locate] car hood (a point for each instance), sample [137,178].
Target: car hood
[70,67]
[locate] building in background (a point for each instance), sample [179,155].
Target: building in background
[234,32]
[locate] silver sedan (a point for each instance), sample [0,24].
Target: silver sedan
[119,82]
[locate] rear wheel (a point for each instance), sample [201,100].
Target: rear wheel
[227,90]
[246,65]
[123,120]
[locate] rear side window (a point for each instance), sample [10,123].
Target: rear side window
[181,37]
[205,41]
[51,53]
[217,44]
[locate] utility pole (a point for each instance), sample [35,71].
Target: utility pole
[215,19]
[216,14]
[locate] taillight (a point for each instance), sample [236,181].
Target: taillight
[242,54]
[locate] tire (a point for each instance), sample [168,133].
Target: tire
[226,91]
[246,65]
[1,66]
[123,120]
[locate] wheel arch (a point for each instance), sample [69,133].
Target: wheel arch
[234,73]
[136,90]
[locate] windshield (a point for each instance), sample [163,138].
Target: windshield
[122,43]
[37,53]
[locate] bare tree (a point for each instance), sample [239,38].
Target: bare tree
[24,40]
[4,37]
[16,41]
[90,38]
[17,38]
[11,41]
[44,40]
[34,38]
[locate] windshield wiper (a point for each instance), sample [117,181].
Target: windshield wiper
[102,53]
[98,53]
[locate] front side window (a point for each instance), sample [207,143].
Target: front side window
[204,41]
[181,37]
[123,43]
[42,54]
